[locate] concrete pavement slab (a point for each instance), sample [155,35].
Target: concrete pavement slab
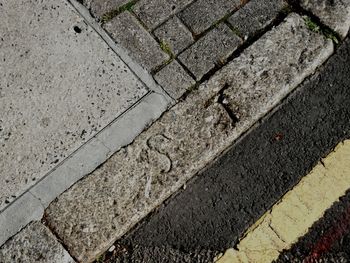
[185,139]
[61,84]
[35,243]
[19,214]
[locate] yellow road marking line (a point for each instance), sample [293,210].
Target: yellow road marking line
[295,213]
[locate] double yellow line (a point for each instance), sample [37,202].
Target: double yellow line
[296,212]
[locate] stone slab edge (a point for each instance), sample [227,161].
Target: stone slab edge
[122,131]
[140,72]
[57,213]
[35,243]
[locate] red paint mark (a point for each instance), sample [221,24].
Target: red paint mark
[326,241]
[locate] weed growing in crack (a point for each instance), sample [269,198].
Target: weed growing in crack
[127,7]
[311,25]
[166,48]
[314,27]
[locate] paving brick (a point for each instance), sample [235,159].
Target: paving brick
[127,31]
[100,7]
[35,243]
[174,34]
[174,79]
[255,16]
[154,12]
[204,13]
[214,48]
[103,206]
[335,14]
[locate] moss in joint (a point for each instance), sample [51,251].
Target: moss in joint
[101,258]
[166,48]
[311,25]
[314,27]
[236,31]
[127,7]
[108,16]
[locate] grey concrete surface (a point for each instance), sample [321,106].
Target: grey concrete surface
[219,205]
[18,215]
[60,85]
[119,130]
[123,53]
[185,139]
[35,243]
[335,14]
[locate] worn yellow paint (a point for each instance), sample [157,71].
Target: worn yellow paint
[295,213]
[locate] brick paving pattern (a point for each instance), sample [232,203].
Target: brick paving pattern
[181,42]
[226,64]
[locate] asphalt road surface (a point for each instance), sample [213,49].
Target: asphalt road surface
[217,206]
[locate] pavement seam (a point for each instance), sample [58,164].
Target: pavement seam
[157,90]
[322,51]
[45,190]
[138,71]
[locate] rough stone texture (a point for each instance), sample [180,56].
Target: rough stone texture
[186,138]
[214,48]
[335,14]
[255,16]
[174,34]
[204,13]
[127,31]
[141,176]
[153,12]
[100,7]
[174,79]
[270,69]
[58,88]
[35,243]
[217,207]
